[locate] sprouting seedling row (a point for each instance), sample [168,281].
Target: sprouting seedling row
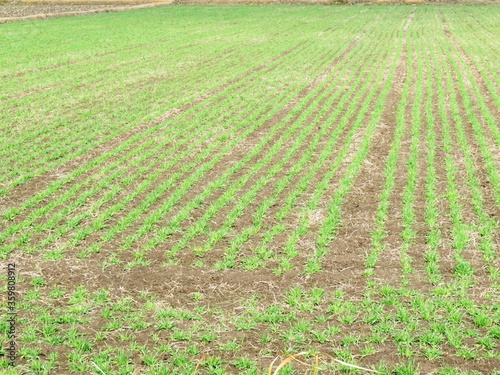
[432,214]
[211,132]
[409,234]
[381,216]
[59,184]
[69,148]
[279,227]
[263,251]
[486,63]
[301,229]
[206,38]
[213,209]
[353,96]
[460,231]
[280,185]
[165,229]
[327,231]
[490,165]
[122,63]
[491,79]
[487,226]
[141,104]
[290,250]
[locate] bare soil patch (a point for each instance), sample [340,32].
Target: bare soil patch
[33,10]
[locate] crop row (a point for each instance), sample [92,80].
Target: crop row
[454,129]
[96,117]
[86,195]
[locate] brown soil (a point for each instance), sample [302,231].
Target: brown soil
[37,10]
[389,269]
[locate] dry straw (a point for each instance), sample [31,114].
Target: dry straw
[295,357]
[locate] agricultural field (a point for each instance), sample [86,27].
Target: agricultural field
[251,190]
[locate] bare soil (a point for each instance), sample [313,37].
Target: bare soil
[26,11]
